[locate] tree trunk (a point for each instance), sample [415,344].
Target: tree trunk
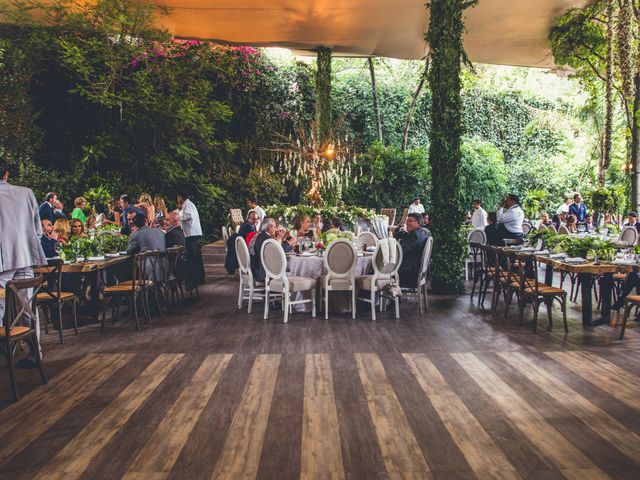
[414,99]
[323,97]
[376,108]
[608,103]
[635,147]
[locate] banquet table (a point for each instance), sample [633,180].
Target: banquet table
[313,266]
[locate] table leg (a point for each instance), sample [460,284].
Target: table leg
[606,288]
[95,296]
[587,307]
[548,276]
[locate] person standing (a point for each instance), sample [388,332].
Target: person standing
[416,206]
[190,220]
[479,217]
[20,248]
[175,234]
[253,205]
[510,216]
[48,207]
[78,212]
[578,209]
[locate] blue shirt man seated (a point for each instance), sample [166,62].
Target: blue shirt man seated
[48,239]
[412,241]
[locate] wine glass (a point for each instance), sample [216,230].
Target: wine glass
[57,248]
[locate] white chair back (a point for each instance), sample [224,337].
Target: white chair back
[273,259]
[563,230]
[552,228]
[426,258]
[526,228]
[340,259]
[242,253]
[368,239]
[225,235]
[629,235]
[542,227]
[477,236]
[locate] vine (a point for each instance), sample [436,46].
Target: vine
[444,36]
[323,96]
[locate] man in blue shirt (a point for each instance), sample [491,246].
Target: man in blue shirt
[578,209]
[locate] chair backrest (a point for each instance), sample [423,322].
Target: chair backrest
[225,235]
[368,239]
[340,259]
[563,230]
[477,235]
[175,256]
[390,213]
[273,259]
[526,228]
[629,235]
[242,253]
[405,214]
[53,278]
[390,269]
[525,266]
[552,228]
[17,306]
[236,216]
[426,258]
[542,227]
[380,227]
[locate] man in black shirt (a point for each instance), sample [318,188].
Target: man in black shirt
[491,230]
[412,241]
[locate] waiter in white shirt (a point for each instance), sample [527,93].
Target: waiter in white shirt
[510,217]
[190,220]
[479,218]
[416,206]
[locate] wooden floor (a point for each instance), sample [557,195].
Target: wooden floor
[209,392]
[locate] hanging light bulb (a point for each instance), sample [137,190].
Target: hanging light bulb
[330,150]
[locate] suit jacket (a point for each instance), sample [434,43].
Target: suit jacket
[46,212]
[412,244]
[148,239]
[245,229]
[174,238]
[20,229]
[48,246]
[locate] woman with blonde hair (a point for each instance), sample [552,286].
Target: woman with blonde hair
[113,212]
[78,212]
[77,229]
[161,209]
[146,203]
[63,228]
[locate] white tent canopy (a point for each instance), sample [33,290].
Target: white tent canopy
[508,32]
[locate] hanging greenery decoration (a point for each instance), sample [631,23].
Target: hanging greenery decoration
[323,97]
[446,28]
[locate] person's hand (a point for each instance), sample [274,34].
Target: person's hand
[53,235]
[292,241]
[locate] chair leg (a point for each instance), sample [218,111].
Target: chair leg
[74,311]
[32,346]
[60,321]
[12,375]
[397,301]
[563,304]
[313,302]
[522,300]
[285,305]
[536,306]
[134,306]
[420,298]
[549,316]
[266,303]
[145,307]
[240,293]
[373,304]
[353,304]
[104,312]
[426,298]
[623,326]
[250,307]
[326,304]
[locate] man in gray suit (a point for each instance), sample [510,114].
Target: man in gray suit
[145,239]
[20,233]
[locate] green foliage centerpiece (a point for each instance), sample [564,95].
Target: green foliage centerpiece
[446,27]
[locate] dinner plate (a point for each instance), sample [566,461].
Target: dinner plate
[112,255]
[123,253]
[95,259]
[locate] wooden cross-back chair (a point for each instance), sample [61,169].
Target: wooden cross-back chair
[236,217]
[52,297]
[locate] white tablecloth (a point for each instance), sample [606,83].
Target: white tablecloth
[313,266]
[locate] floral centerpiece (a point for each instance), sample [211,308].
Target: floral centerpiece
[93,247]
[326,238]
[348,216]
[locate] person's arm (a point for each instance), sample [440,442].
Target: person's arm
[186,214]
[133,246]
[502,216]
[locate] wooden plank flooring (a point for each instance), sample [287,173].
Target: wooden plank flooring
[209,392]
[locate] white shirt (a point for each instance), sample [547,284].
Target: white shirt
[190,219]
[564,208]
[261,213]
[512,218]
[419,208]
[479,218]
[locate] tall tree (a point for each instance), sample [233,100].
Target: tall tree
[412,105]
[446,28]
[374,92]
[324,118]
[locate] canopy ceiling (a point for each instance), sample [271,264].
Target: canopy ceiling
[508,32]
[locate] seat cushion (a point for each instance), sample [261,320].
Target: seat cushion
[45,297]
[15,331]
[545,290]
[119,288]
[635,299]
[296,284]
[336,283]
[619,276]
[364,282]
[149,283]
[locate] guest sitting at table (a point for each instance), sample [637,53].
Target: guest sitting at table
[302,226]
[58,210]
[544,219]
[425,220]
[317,224]
[572,223]
[268,229]
[175,235]
[49,239]
[113,212]
[563,218]
[632,221]
[127,207]
[62,227]
[555,221]
[589,223]
[77,229]
[491,230]
[78,212]
[412,240]
[328,225]
[249,224]
[145,239]
[511,217]
[146,203]
[161,210]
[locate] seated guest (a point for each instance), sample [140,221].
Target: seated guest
[47,208]
[555,221]
[49,238]
[77,229]
[249,224]
[113,212]
[127,207]
[100,214]
[161,210]
[174,236]
[563,218]
[91,224]
[572,223]
[632,221]
[268,229]
[62,227]
[491,230]
[425,220]
[544,219]
[302,226]
[589,223]
[145,239]
[328,225]
[412,240]
[317,224]
[511,217]
[78,212]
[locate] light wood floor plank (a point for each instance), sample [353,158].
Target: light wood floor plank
[161,451]
[243,445]
[321,447]
[593,416]
[605,375]
[43,407]
[400,449]
[76,456]
[550,441]
[484,457]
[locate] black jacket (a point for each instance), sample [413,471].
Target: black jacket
[412,244]
[231,260]
[46,212]
[245,229]
[175,237]
[491,231]
[49,246]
